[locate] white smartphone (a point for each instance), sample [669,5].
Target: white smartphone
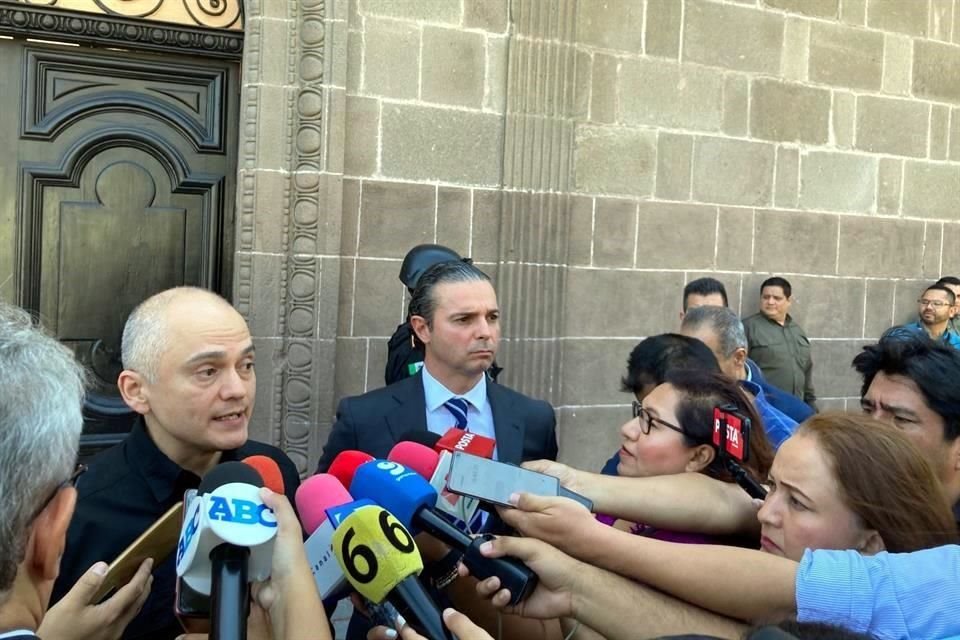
[493,482]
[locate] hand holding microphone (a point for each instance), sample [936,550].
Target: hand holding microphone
[560,522]
[380,560]
[459,624]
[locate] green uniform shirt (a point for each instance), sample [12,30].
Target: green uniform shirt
[783,354]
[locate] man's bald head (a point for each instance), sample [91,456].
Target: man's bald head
[146,333]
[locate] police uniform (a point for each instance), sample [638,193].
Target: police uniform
[126,489]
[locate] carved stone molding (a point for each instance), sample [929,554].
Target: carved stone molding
[211,14]
[21,19]
[535,211]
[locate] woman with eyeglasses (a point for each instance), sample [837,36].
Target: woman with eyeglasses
[672,432]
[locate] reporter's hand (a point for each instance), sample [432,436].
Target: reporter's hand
[558,576]
[76,616]
[459,624]
[289,597]
[564,523]
[568,476]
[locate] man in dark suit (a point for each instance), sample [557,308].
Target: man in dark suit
[454,314]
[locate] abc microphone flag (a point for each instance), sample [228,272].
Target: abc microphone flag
[380,560]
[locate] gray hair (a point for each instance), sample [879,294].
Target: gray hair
[144,338]
[725,324]
[423,302]
[41,417]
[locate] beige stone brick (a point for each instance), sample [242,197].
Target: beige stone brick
[611,25]
[853,12]
[454,67]
[350,217]
[489,15]
[593,293]
[485,238]
[931,190]
[736,104]
[889,186]
[787,188]
[395,216]
[941,20]
[838,182]
[615,160]
[354,61]
[740,38]
[441,144]
[664,19]
[272,126]
[956,23]
[892,125]
[828,307]
[932,239]
[328,301]
[814,8]
[789,112]
[453,218]
[378,305]
[361,135]
[879,308]
[676,236]
[674,164]
[427,10]
[939,131]
[581,231]
[796,50]
[735,240]
[656,92]
[950,265]
[391,58]
[832,374]
[935,70]
[589,435]
[348,270]
[897,64]
[376,363]
[843,119]
[615,232]
[846,57]
[794,242]
[732,171]
[954,134]
[881,247]
[895,15]
[592,374]
[271,189]
[494,98]
[604,88]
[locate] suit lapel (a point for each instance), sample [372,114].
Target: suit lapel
[509,431]
[410,412]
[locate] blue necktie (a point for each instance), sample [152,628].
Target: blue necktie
[458,407]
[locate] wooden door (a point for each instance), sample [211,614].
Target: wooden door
[118,182]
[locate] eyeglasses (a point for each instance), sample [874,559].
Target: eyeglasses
[647,420]
[936,304]
[69,482]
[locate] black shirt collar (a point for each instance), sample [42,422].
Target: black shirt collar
[165,477]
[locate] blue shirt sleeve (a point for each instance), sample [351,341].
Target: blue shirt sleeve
[889,596]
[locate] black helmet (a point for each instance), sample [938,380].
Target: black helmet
[421,258]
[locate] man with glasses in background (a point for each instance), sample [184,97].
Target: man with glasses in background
[936,309]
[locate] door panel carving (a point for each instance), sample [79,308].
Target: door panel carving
[119,184]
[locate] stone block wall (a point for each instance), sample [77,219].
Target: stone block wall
[593,156]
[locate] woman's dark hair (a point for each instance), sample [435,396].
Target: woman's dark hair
[702,391]
[885,480]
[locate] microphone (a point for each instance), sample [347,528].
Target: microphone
[227,541]
[468,442]
[269,471]
[459,509]
[346,463]
[380,560]
[410,499]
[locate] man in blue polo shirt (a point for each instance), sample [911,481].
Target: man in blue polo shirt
[936,309]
